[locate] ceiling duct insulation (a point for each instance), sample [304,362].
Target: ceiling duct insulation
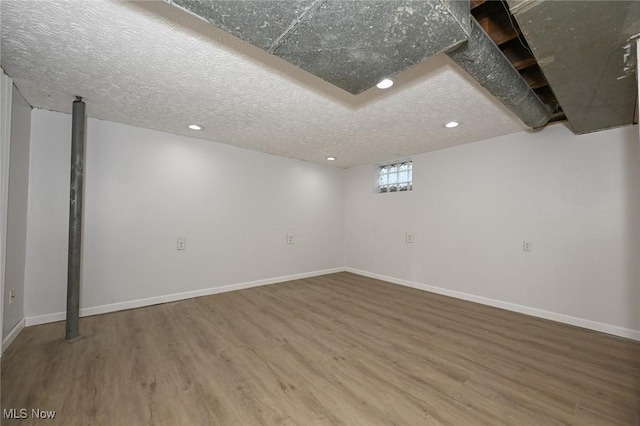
[485,62]
[580,47]
[352,44]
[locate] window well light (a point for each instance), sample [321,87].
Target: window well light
[385,84]
[451,124]
[195,127]
[331,158]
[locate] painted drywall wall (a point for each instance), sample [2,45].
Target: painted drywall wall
[576,198]
[13,312]
[145,189]
[6,92]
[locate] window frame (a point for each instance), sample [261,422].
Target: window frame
[377,174]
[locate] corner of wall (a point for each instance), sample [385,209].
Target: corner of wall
[13,333]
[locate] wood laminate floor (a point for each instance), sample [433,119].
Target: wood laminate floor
[336,349]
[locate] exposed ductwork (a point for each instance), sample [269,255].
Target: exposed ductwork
[356,43]
[352,44]
[584,49]
[484,61]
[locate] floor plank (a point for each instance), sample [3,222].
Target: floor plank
[330,350]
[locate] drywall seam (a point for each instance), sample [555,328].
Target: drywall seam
[149,301]
[11,336]
[540,313]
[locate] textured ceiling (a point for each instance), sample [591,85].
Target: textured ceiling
[150,65]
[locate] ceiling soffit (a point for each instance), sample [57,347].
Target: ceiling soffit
[351,44]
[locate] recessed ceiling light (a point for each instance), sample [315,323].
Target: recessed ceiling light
[331,158]
[451,124]
[195,127]
[385,84]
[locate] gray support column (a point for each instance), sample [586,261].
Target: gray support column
[75,220]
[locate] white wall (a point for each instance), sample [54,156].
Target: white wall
[6,91]
[576,198]
[13,312]
[144,189]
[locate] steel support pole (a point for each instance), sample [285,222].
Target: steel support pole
[75,220]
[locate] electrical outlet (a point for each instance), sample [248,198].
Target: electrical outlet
[409,237]
[291,239]
[182,243]
[12,295]
[526,245]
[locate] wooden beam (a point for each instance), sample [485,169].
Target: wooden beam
[518,55]
[473,4]
[534,77]
[545,94]
[498,27]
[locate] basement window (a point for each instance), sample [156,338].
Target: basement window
[395,177]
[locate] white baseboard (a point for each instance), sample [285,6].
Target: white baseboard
[540,313]
[139,303]
[11,336]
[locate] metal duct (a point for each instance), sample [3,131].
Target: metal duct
[351,44]
[484,61]
[581,47]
